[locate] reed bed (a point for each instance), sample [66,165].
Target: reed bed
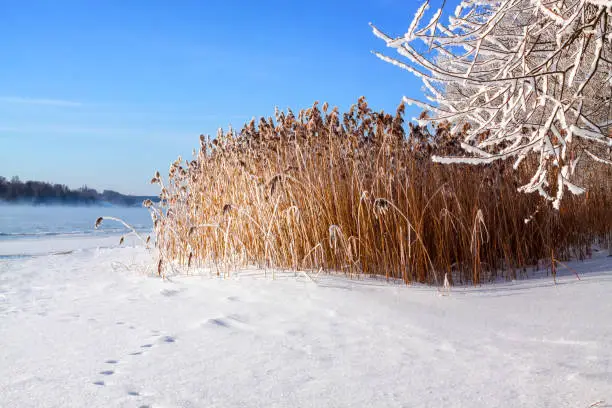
[357,193]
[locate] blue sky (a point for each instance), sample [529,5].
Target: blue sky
[104,93]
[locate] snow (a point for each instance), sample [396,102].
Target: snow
[95,328]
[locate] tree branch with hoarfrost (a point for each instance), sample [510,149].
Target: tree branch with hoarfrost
[519,78]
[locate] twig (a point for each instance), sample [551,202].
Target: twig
[571,269]
[128,226]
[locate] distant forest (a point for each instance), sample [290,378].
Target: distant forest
[38,192]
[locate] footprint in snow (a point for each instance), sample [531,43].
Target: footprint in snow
[170,292]
[106,373]
[231,322]
[162,340]
[219,323]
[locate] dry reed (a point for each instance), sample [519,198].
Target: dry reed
[353,193]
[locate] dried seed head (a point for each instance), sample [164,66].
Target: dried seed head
[227,208]
[148,239]
[401,109]
[273,182]
[98,222]
[381,206]
[147,203]
[121,240]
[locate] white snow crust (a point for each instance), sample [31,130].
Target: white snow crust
[94,328]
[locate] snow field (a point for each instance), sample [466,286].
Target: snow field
[93,328]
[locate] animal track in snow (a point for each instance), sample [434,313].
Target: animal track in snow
[171,292]
[218,323]
[144,349]
[230,322]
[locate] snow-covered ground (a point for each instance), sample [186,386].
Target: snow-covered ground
[93,328]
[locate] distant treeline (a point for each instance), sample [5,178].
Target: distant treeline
[38,192]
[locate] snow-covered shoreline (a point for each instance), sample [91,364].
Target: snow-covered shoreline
[57,245]
[91,327]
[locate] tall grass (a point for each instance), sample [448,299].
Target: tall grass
[353,193]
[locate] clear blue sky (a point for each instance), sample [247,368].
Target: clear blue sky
[104,93]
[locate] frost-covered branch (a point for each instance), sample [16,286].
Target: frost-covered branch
[530,77]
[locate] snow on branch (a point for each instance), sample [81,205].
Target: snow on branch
[530,77]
